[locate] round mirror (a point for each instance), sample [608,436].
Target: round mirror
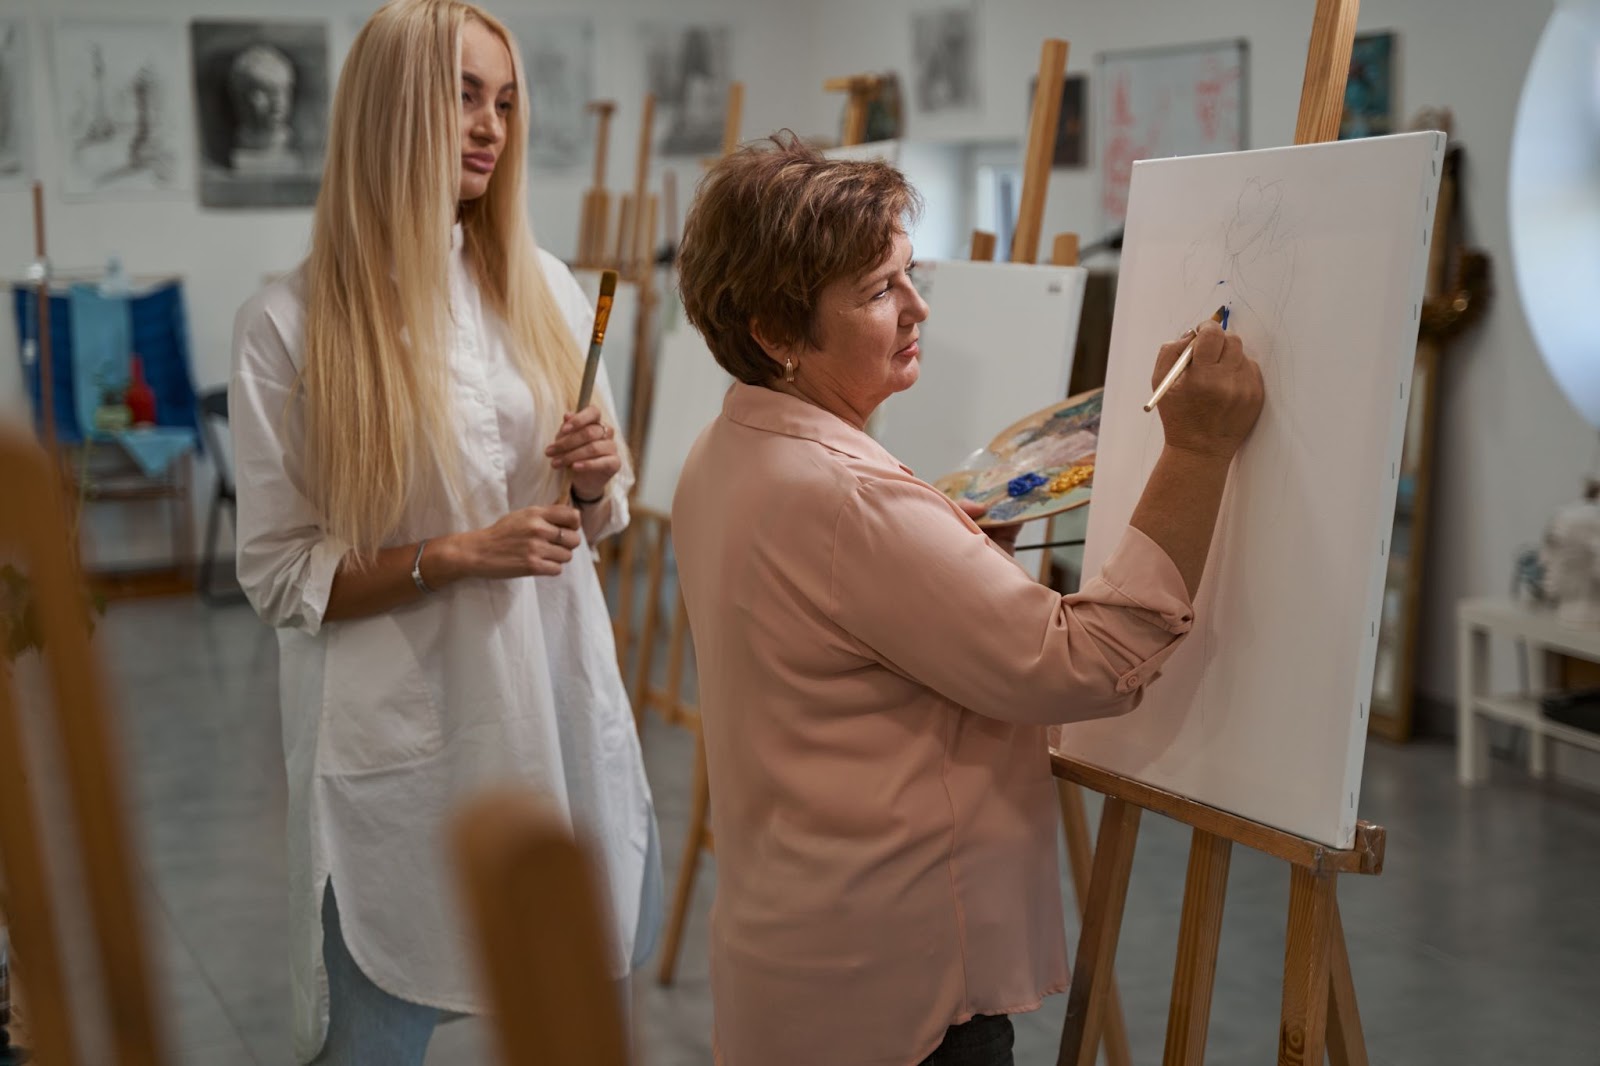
[1555,201]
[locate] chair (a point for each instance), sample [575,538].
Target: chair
[532,908]
[213,419]
[33,531]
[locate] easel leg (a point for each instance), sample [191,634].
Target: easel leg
[623,627]
[1307,965]
[694,843]
[652,615]
[1347,1046]
[1080,859]
[1201,930]
[673,706]
[1102,924]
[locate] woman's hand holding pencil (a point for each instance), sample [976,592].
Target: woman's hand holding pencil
[1210,407]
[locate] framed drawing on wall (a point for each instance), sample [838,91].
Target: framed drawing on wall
[261,104]
[1154,103]
[119,103]
[16,137]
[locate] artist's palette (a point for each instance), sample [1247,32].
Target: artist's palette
[1040,466]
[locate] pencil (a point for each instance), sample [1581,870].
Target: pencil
[1182,364]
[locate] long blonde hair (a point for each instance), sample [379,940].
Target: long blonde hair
[377,328]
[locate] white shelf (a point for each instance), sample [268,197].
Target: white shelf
[1525,711]
[1538,631]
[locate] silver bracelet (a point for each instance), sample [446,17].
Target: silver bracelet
[416,569]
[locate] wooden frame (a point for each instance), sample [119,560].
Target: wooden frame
[33,523]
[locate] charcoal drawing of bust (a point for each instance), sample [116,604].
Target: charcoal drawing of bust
[261,84]
[261,93]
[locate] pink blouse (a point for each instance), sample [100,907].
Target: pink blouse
[876,677]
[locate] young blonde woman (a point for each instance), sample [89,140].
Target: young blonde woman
[401,412]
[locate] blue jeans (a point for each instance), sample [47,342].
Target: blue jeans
[366,1025]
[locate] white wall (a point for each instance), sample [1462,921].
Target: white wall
[1510,448]
[222,255]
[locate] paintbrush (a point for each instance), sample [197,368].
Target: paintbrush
[591,366]
[1220,317]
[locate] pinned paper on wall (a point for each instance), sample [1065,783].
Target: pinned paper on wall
[1157,103]
[16,133]
[121,101]
[1321,251]
[558,66]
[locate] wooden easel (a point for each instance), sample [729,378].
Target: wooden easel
[47,371]
[861,89]
[33,525]
[1317,983]
[1042,127]
[594,222]
[644,697]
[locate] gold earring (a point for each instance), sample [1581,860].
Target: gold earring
[788,369]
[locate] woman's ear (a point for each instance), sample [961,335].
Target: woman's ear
[774,351]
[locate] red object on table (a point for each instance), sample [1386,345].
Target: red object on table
[140,398]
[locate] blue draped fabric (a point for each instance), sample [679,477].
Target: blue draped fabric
[91,337]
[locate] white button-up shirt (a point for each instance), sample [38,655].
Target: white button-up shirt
[389,721]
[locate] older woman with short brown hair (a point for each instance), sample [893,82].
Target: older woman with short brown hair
[876,674]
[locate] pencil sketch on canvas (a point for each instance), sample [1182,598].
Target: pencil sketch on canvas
[558,66]
[15,140]
[688,68]
[261,100]
[120,102]
[1319,254]
[944,59]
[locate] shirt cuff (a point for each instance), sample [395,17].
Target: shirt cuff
[1141,577]
[321,564]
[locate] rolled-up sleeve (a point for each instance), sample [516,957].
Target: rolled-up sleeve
[286,560]
[927,591]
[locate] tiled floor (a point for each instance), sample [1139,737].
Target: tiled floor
[1479,944]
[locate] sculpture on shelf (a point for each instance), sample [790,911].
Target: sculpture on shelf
[1570,560]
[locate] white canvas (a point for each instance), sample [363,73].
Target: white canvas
[1320,252]
[617,353]
[997,345]
[690,386]
[122,106]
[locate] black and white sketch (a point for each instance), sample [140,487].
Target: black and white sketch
[120,106]
[688,70]
[261,103]
[944,59]
[15,142]
[558,66]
